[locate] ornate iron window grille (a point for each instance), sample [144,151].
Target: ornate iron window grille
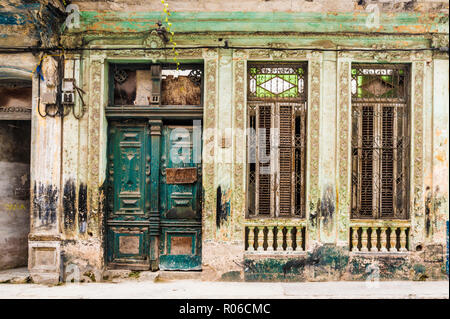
[276,151]
[380,141]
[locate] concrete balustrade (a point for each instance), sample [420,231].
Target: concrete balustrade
[275,238]
[379,237]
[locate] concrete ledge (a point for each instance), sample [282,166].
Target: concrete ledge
[15,276]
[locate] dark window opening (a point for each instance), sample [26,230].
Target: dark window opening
[380,141]
[276,145]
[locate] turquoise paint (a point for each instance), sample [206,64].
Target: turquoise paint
[173,262]
[180,211]
[263,22]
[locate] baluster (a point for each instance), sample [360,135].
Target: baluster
[364,239]
[383,238]
[299,239]
[260,238]
[355,239]
[289,238]
[403,239]
[393,239]
[373,239]
[279,238]
[270,235]
[251,238]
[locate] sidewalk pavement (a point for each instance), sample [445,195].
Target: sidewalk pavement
[195,289]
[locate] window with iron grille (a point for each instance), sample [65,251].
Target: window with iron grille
[276,139]
[380,141]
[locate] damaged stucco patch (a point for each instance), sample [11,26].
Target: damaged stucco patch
[324,262]
[328,262]
[81,260]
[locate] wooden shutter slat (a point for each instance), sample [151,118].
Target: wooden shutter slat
[264,184]
[285,160]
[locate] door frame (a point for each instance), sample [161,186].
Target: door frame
[155,124]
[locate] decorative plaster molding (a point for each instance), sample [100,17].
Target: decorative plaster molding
[344,106]
[418,200]
[439,40]
[385,56]
[241,54]
[153,41]
[210,53]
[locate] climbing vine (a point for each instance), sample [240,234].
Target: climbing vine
[168,28]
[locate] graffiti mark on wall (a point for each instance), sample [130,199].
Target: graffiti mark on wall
[11,207]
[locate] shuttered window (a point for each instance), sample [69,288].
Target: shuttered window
[380,141]
[276,152]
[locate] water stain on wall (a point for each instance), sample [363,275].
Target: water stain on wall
[69,205]
[45,202]
[222,206]
[82,208]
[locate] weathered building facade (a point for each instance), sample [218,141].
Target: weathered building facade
[22,25]
[248,140]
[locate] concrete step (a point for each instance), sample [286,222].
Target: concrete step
[122,275]
[15,276]
[179,275]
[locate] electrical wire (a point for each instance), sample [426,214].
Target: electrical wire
[226,46]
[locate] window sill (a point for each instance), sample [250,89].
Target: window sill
[268,254]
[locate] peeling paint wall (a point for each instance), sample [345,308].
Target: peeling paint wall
[329,134]
[68,164]
[267,5]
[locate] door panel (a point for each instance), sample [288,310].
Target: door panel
[180,201]
[128,178]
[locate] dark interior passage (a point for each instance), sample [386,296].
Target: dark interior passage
[15,139]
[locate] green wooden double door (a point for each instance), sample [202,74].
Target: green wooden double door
[153,196]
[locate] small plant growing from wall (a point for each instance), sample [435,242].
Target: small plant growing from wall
[171,33]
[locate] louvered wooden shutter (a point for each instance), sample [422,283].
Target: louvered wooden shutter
[263,173]
[286,159]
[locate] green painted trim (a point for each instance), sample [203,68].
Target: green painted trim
[106,21]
